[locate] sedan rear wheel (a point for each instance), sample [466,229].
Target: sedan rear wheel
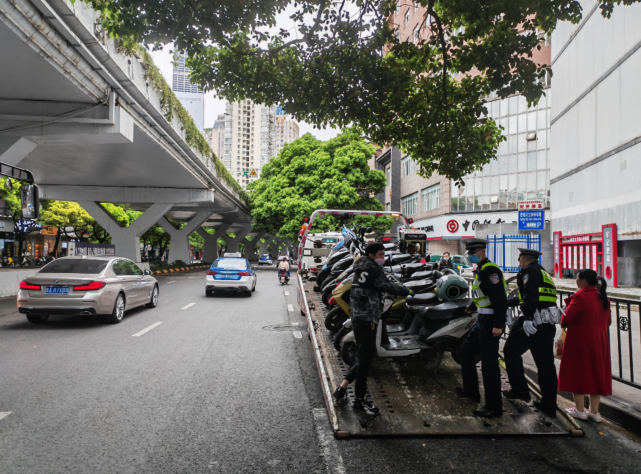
[37,318]
[119,310]
[154,298]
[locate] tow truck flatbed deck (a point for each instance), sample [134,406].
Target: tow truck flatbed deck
[414,398]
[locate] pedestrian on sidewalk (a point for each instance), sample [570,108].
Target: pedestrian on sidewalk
[585,362]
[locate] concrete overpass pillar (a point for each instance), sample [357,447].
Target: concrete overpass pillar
[232,244]
[263,246]
[179,245]
[210,252]
[126,239]
[251,245]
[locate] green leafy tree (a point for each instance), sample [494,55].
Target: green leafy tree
[309,174]
[344,63]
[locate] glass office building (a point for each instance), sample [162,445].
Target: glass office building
[521,170]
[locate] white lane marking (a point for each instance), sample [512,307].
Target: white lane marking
[287,293]
[140,333]
[188,306]
[329,449]
[169,282]
[298,335]
[191,277]
[4,414]
[290,308]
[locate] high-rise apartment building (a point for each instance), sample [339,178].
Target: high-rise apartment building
[216,136]
[190,95]
[249,139]
[287,130]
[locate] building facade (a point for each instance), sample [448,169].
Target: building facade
[596,135]
[287,130]
[190,95]
[216,136]
[449,213]
[249,139]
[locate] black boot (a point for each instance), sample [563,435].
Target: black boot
[512,395]
[461,393]
[485,412]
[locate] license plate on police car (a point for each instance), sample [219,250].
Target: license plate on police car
[228,277]
[56,290]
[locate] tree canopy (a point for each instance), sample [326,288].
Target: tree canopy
[342,62]
[310,174]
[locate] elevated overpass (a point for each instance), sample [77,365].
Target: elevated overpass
[93,125]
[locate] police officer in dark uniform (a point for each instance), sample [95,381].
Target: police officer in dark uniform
[534,331]
[489,295]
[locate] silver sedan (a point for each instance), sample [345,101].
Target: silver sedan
[86,286]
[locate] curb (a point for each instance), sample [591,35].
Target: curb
[610,409]
[176,270]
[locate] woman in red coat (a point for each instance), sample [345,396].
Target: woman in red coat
[585,362]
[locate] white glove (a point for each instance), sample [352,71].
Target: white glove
[529,328]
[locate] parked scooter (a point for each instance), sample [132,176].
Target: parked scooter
[40,261]
[440,326]
[282,276]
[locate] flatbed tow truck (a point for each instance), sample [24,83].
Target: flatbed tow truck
[416,396]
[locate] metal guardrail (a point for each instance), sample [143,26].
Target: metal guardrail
[623,325]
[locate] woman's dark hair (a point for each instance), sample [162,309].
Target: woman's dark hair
[593,279]
[446,252]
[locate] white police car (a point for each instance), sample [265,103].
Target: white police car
[265,260]
[230,274]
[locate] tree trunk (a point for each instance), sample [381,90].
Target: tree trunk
[57,244]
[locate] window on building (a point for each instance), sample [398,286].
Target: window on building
[407,18]
[416,5]
[432,197]
[408,166]
[409,204]
[398,35]
[416,33]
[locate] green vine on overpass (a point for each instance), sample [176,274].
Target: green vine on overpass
[170,105]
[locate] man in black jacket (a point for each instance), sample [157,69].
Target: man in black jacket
[445,262]
[535,332]
[366,305]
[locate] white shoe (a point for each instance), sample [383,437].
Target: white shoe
[596,417]
[574,413]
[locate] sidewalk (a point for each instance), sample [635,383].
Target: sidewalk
[624,406]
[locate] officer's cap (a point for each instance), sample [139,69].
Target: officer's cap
[530,253]
[475,244]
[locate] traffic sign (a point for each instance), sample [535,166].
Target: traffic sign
[533,204]
[531,220]
[253,173]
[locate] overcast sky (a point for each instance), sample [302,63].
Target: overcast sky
[215,106]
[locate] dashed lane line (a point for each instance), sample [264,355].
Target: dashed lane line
[188,306]
[170,282]
[140,333]
[4,414]
[298,335]
[290,308]
[287,293]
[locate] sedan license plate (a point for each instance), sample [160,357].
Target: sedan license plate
[56,290]
[227,277]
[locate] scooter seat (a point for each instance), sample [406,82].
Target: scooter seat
[445,311]
[422,299]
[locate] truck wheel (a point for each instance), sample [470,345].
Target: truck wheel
[37,318]
[335,319]
[348,353]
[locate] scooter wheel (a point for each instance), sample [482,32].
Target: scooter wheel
[335,319]
[342,332]
[349,353]
[327,294]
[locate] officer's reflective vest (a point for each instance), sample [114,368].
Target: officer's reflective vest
[547,292]
[479,298]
